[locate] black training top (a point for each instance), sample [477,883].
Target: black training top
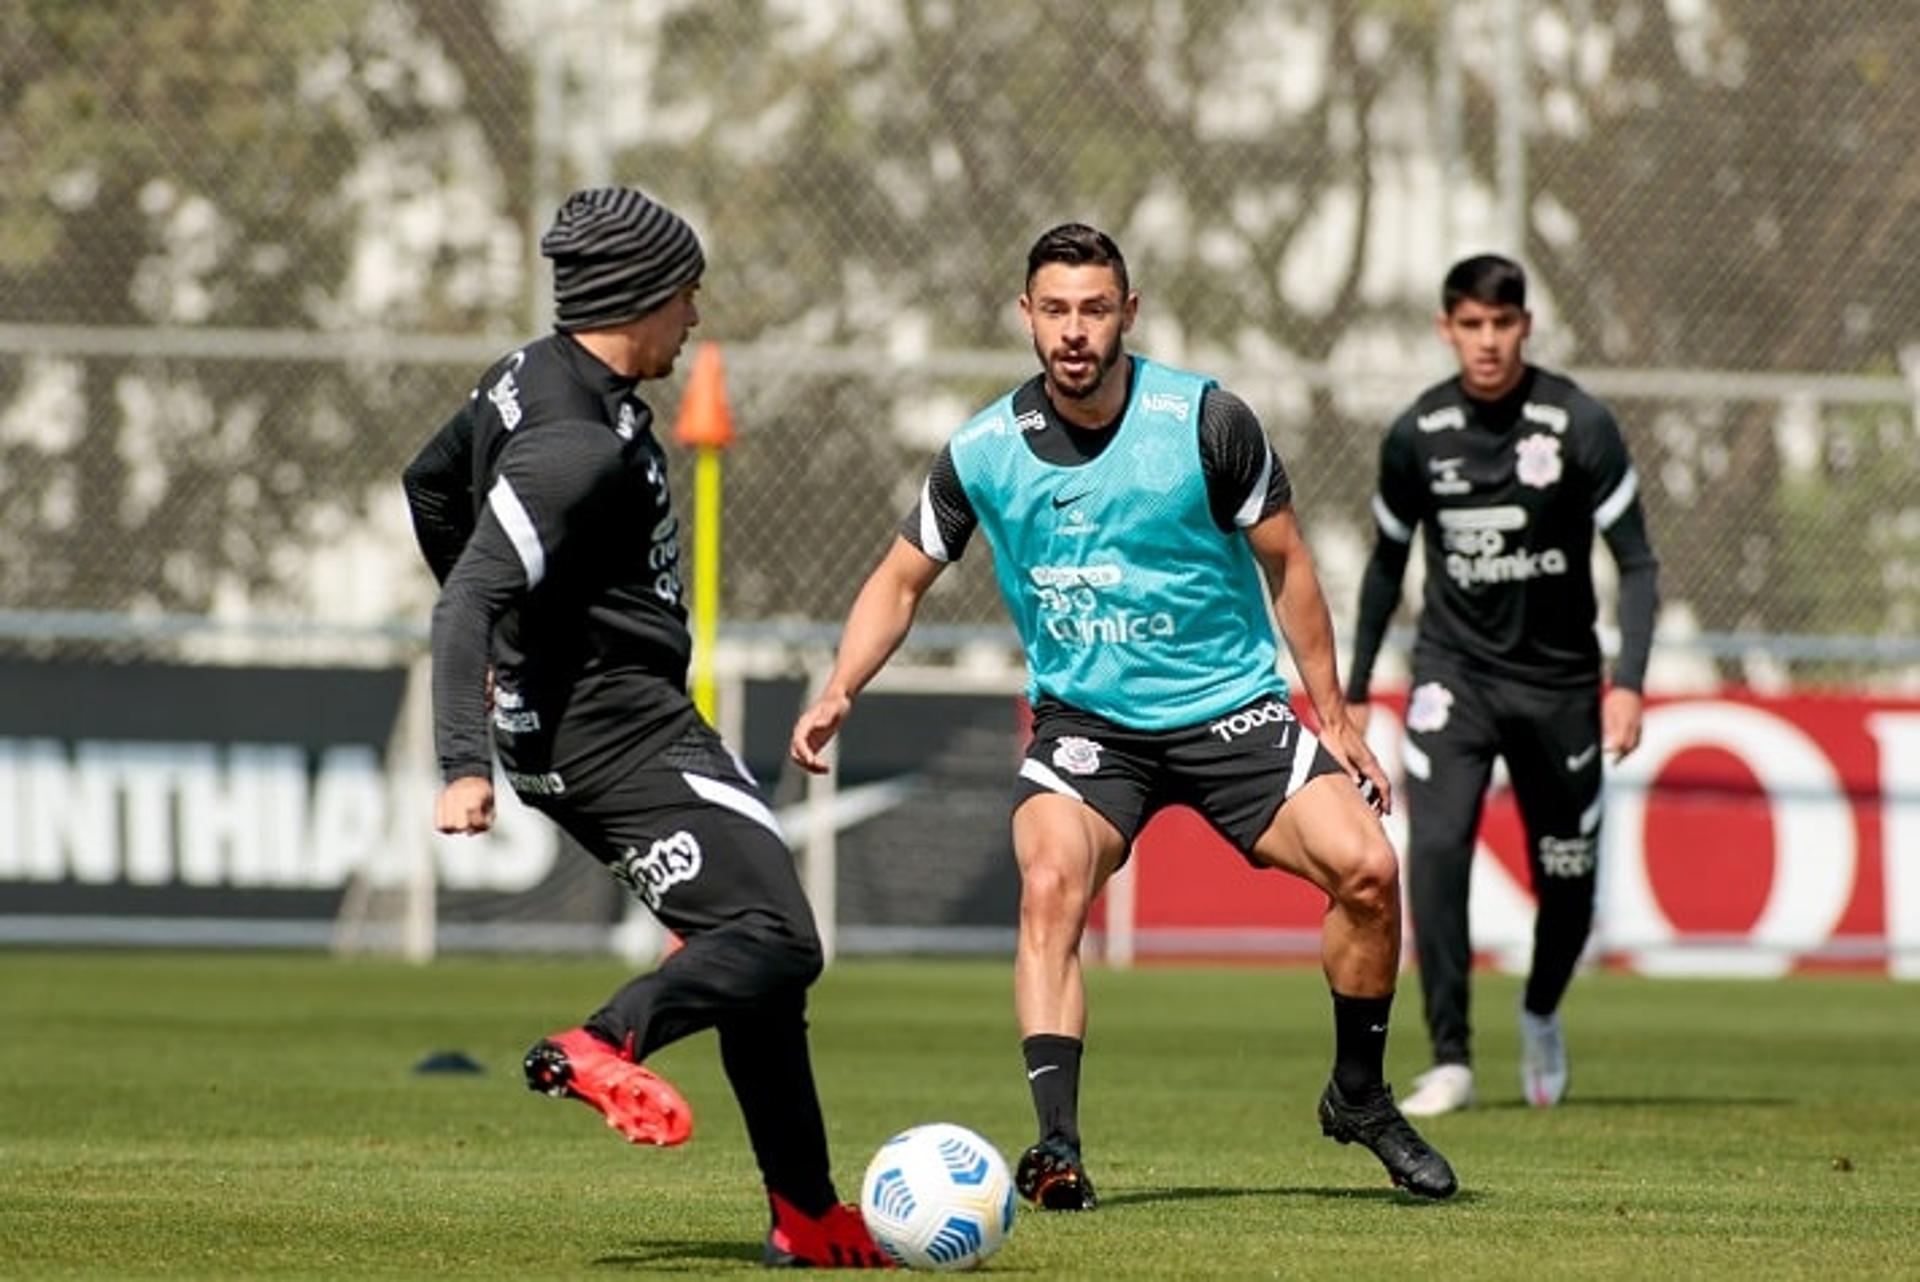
[1245,479]
[1510,493]
[542,507]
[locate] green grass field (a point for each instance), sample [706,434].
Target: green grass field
[256,1115]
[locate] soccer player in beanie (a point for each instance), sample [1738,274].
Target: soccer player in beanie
[1131,508]
[542,507]
[1511,470]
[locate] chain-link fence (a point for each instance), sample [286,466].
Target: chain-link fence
[253,251]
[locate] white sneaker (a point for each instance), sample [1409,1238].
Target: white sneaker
[1444,1088]
[1543,1059]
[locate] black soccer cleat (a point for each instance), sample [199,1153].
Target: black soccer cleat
[1376,1123]
[1051,1177]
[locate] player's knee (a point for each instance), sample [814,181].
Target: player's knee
[1369,879]
[804,958]
[1050,893]
[791,956]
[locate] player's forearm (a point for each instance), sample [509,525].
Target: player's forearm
[880,619]
[483,585]
[1639,596]
[1379,597]
[1639,600]
[1307,625]
[439,493]
[461,641]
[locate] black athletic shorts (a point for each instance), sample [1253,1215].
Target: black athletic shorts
[690,834]
[1236,769]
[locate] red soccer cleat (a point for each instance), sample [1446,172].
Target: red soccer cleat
[837,1240]
[641,1105]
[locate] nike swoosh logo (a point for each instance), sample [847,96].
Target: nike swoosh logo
[1376,1028]
[1579,759]
[1044,1068]
[1069,500]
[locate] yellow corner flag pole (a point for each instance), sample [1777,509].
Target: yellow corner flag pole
[706,426]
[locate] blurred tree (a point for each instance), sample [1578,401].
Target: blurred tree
[1714,186]
[216,163]
[1732,187]
[875,177]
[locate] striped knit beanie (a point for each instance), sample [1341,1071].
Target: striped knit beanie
[616,256]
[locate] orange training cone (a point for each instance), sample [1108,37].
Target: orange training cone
[705,422]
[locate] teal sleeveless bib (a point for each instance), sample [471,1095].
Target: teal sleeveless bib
[1130,601]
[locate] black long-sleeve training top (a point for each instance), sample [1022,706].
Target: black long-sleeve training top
[542,507]
[1510,494]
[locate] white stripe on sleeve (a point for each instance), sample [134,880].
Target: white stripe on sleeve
[1390,525]
[930,541]
[513,518]
[1249,513]
[1616,503]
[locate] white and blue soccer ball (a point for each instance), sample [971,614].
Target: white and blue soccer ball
[938,1197]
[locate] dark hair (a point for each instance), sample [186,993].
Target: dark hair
[1079,245]
[1485,278]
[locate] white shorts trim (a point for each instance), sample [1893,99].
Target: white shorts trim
[1046,778]
[738,800]
[1305,748]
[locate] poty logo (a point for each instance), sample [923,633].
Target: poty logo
[1031,421]
[1166,403]
[1451,417]
[1273,712]
[666,863]
[628,421]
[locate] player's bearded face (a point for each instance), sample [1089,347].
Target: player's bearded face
[1079,321]
[1075,367]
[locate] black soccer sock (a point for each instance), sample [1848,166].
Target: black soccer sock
[767,1063]
[1360,1043]
[1053,1075]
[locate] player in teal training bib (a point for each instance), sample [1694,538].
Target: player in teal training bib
[1140,525]
[1128,600]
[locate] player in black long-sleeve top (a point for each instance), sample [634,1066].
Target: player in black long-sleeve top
[560,642]
[1510,471]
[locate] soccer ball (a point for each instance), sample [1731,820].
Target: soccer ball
[938,1197]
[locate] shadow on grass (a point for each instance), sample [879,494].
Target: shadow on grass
[686,1256]
[1577,1102]
[1205,1194]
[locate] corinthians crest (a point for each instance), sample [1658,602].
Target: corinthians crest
[1539,460]
[1076,756]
